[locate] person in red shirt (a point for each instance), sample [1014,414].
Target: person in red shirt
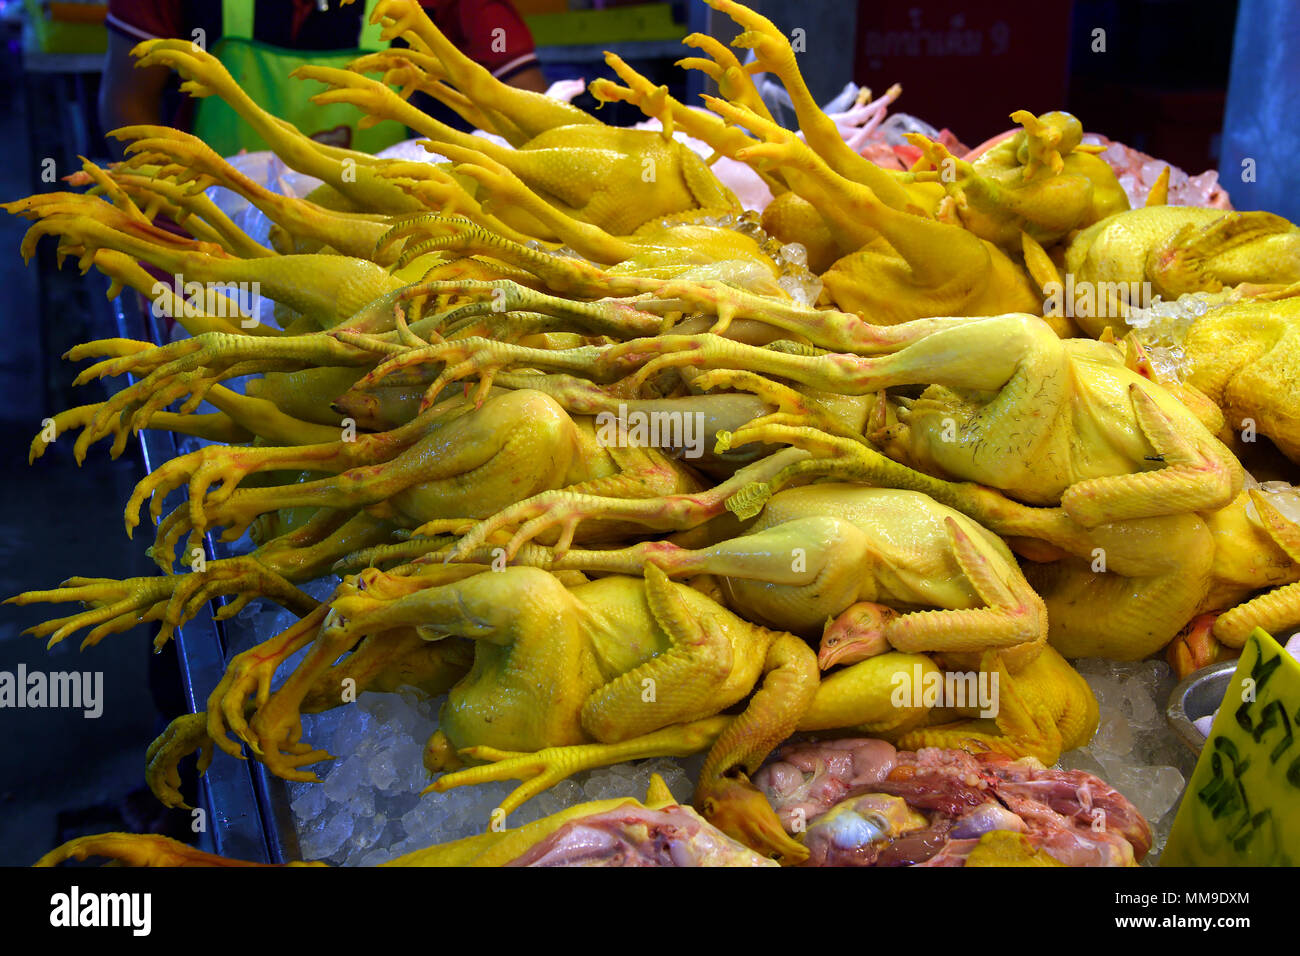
[489,31]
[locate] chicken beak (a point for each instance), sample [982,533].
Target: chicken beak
[858,633]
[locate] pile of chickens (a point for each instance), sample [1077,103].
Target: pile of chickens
[629,471]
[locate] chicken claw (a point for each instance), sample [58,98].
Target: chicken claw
[249,675]
[118,605]
[141,849]
[185,735]
[545,768]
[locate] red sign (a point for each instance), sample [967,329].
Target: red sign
[966,65]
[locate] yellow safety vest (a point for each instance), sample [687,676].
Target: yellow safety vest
[262,71]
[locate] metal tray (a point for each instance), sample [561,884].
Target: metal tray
[1199,695]
[247,808]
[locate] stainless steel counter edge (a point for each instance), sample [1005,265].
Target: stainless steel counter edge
[248,809]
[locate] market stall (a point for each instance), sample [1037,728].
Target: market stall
[769,481]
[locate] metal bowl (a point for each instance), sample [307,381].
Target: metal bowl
[1199,695]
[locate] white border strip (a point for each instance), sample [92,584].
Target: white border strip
[128,29]
[514,64]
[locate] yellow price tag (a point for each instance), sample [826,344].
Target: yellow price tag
[1242,806]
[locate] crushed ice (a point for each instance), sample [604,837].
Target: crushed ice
[1164,326]
[369,809]
[1134,750]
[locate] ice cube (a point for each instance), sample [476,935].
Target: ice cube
[1091,665]
[795,253]
[1156,790]
[1159,837]
[323,843]
[383,707]
[420,819]
[309,802]
[361,803]
[383,771]
[368,830]
[374,857]
[1114,736]
[343,781]
[354,724]
[1142,705]
[802,289]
